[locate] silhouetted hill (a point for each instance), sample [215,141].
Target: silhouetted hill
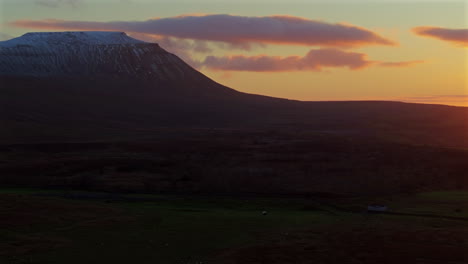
[94,86]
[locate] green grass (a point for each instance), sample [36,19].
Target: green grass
[169,230]
[442,203]
[445,196]
[181,229]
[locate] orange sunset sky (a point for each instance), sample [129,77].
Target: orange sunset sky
[413,51]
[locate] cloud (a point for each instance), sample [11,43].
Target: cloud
[182,48]
[456,36]
[314,60]
[233,30]
[400,63]
[57,3]
[172,44]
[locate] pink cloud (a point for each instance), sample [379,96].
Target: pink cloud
[261,63]
[400,63]
[234,30]
[457,36]
[314,60]
[173,44]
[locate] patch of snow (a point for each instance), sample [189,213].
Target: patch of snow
[45,39]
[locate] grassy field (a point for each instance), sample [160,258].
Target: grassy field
[43,226]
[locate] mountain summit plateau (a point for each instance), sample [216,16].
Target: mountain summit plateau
[88,53]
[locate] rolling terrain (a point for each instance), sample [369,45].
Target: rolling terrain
[113,150]
[237,162]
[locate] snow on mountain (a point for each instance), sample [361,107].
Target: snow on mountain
[87,53]
[50,39]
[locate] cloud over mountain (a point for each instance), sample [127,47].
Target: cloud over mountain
[235,30]
[314,60]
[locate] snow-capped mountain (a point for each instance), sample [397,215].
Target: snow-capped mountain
[51,39]
[67,86]
[88,53]
[75,83]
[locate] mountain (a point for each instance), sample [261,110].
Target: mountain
[74,86]
[53,54]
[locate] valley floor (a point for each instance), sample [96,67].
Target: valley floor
[64,226]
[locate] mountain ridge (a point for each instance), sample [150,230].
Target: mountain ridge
[126,90]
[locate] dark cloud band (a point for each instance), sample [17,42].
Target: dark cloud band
[237,30]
